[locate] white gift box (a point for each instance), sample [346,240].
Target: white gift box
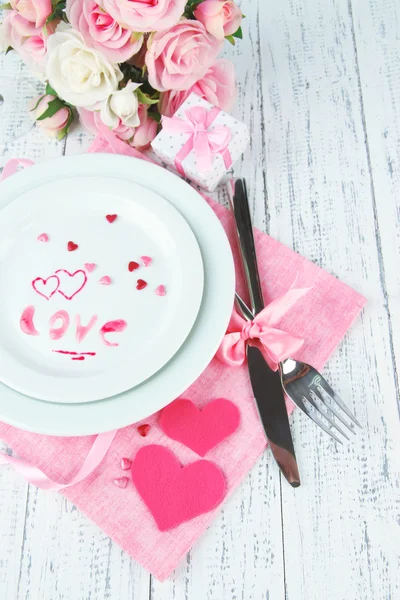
[201,145]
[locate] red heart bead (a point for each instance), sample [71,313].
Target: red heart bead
[133,266]
[111,218]
[144,429]
[72,246]
[141,283]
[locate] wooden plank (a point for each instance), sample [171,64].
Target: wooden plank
[376,37]
[339,526]
[64,555]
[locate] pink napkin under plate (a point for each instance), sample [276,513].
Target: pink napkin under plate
[322,318]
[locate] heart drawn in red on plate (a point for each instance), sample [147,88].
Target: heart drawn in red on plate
[46,287]
[133,266]
[71,283]
[175,494]
[200,430]
[71,246]
[111,218]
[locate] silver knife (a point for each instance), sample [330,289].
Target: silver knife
[265,382]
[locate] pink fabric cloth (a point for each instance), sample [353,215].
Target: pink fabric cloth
[322,318]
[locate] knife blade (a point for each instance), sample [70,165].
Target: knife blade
[266,383]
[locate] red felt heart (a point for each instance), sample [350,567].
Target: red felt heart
[72,246]
[200,430]
[133,265]
[141,284]
[172,493]
[111,218]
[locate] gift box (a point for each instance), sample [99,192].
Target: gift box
[201,142]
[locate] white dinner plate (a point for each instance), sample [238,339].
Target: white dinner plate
[204,338]
[101,282]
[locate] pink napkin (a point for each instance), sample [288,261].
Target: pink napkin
[322,318]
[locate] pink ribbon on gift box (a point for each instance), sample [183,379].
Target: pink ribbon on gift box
[275,344]
[204,143]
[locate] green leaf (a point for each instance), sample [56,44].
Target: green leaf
[37,103]
[6,6]
[155,116]
[230,39]
[238,34]
[53,107]
[64,131]
[144,99]
[49,90]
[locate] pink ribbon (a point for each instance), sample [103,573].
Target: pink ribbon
[34,475]
[12,165]
[274,343]
[205,144]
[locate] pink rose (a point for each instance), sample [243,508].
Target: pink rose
[91,121]
[35,11]
[145,15]
[140,137]
[28,40]
[146,131]
[219,17]
[101,31]
[54,125]
[218,86]
[179,57]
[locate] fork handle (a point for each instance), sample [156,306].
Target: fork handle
[240,205]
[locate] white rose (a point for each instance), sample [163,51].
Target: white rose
[80,75]
[121,107]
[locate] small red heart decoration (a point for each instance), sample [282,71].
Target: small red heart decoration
[141,283]
[172,493]
[144,429]
[72,246]
[200,430]
[133,265]
[111,218]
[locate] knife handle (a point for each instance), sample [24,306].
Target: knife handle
[240,206]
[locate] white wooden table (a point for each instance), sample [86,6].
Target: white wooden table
[319,86]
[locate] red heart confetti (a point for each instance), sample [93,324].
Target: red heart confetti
[143,429]
[126,464]
[111,218]
[141,284]
[133,266]
[121,482]
[72,246]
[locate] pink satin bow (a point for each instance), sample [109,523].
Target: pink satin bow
[205,144]
[274,343]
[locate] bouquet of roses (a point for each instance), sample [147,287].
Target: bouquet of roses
[122,64]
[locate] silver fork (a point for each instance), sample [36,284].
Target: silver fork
[310,391]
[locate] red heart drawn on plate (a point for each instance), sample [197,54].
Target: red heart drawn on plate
[111,218]
[200,430]
[46,287]
[175,494]
[71,246]
[71,283]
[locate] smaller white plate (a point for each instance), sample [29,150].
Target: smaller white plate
[39,279]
